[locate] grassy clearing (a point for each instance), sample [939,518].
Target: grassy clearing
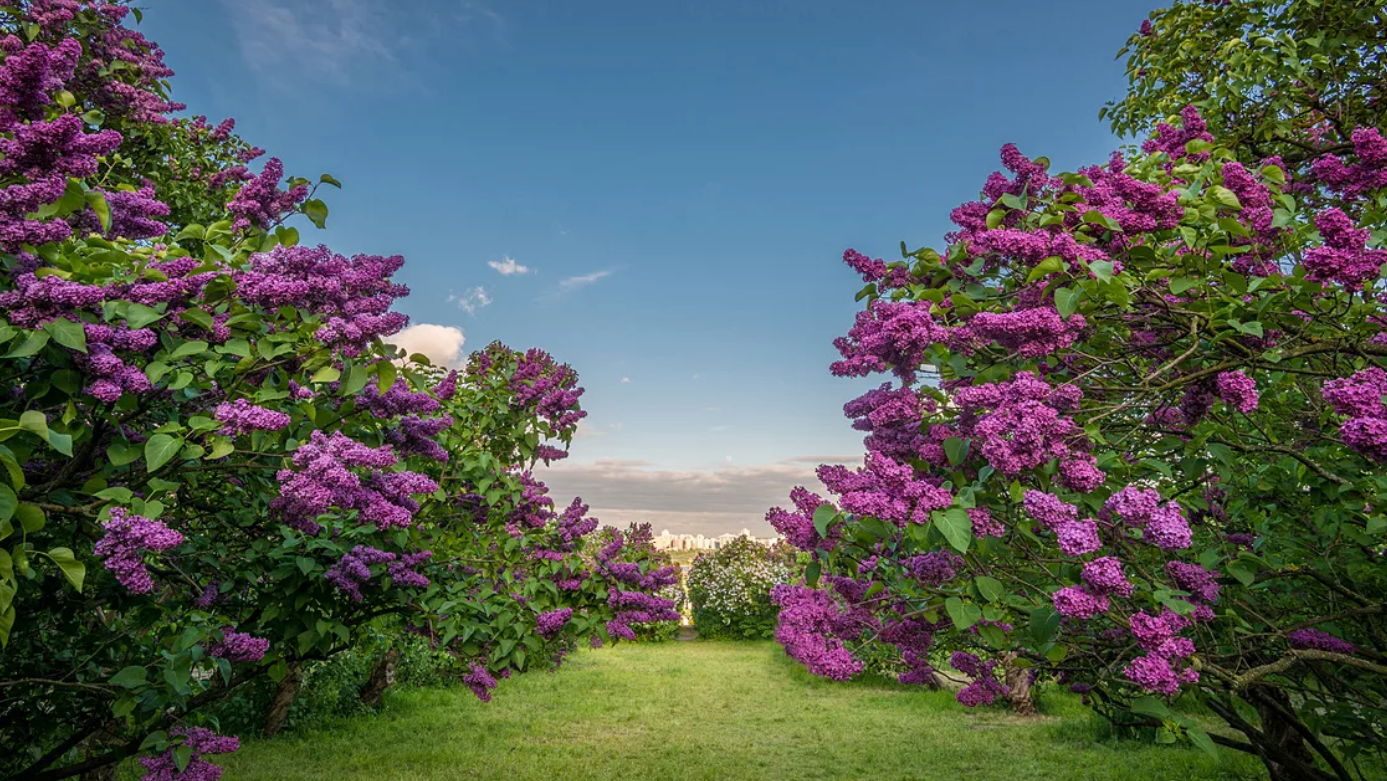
[712,710]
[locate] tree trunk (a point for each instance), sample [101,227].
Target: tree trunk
[1279,732]
[1018,681]
[285,695]
[381,677]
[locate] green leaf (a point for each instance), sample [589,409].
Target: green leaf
[990,588]
[355,381]
[1067,300]
[1051,265]
[1013,201]
[68,334]
[221,448]
[995,217]
[1198,737]
[956,527]
[98,204]
[31,517]
[35,423]
[963,614]
[139,315]
[182,756]
[6,566]
[121,452]
[8,502]
[332,180]
[823,516]
[327,374]
[60,442]
[385,375]
[1044,622]
[1102,270]
[1150,706]
[159,449]
[188,348]
[811,573]
[1253,328]
[1181,284]
[75,570]
[1225,196]
[6,624]
[130,677]
[956,449]
[193,231]
[316,211]
[34,342]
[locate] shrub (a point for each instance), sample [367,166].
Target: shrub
[1135,437]
[729,591]
[216,472]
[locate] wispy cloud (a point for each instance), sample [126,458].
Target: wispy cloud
[625,380]
[569,284]
[472,300]
[331,40]
[507,266]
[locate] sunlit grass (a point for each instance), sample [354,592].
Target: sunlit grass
[712,710]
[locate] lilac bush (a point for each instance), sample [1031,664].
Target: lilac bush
[1135,435]
[216,472]
[730,590]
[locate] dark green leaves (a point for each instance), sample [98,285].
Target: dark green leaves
[129,677]
[316,211]
[823,516]
[74,570]
[963,614]
[159,449]
[68,333]
[956,449]
[956,527]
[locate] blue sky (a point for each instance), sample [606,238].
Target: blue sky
[678,181]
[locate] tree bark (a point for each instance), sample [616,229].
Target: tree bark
[284,698]
[1018,681]
[1277,731]
[381,677]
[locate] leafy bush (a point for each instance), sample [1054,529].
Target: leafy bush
[1136,435]
[729,591]
[216,471]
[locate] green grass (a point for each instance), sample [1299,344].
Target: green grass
[712,710]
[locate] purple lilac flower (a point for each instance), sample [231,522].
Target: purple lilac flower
[202,742]
[1238,391]
[242,417]
[1320,641]
[551,623]
[239,647]
[127,538]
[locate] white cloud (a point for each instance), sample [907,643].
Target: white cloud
[333,39]
[723,499]
[507,266]
[442,344]
[573,283]
[472,300]
[625,380]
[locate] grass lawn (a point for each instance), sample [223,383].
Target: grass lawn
[712,710]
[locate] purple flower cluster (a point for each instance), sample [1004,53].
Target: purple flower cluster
[811,625]
[202,742]
[260,202]
[1022,424]
[888,336]
[242,417]
[1359,397]
[984,688]
[551,388]
[934,568]
[1344,258]
[1079,602]
[885,489]
[1367,175]
[351,298]
[1172,140]
[798,526]
[323,480]
[239,647]
[1160,669]
[1030,333]
[1105,576]
[1238,391]
[1319,640]
[1195,579]
[551,623]
[127,538]
[480,681]
[1162,525]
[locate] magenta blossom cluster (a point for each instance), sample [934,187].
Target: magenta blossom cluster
[323,480]
[1367,175]
[1023,423]
[798,526]
[888,336]
[350,297]
[353,570]
[552,622]
[551,388]
[202,742]
[480,681]
[242,417]
[984,688]
[239,647]
[1319,640]
[1359,397]
[1162,668]
[1238,391]
[885,489]
[1162,525]
[810,627]
[260,202]
[1344,258]
[125,542]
